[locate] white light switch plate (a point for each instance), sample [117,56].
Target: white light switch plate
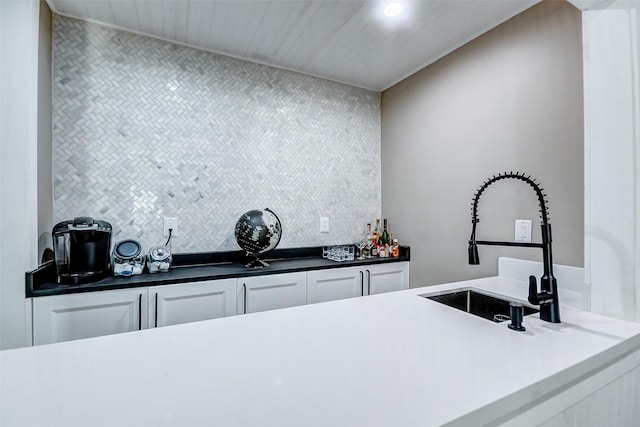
[324,224]
[523,230]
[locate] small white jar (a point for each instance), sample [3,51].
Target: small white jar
[159,259]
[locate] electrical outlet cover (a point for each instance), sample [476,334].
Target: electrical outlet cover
[170,223]
[523,230]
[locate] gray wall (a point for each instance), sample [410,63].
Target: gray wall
[510,100]
[145,129]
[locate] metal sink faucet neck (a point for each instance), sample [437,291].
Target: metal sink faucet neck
[547,298]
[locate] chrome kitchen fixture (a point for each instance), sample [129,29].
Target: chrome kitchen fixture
[547,298]
[81,250]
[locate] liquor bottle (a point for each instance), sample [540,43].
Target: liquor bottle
[369,247]
[377,231]
[395,249]
[382,252]
[376,239]
[385,234]
[367,241]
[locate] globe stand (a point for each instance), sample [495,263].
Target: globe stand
[256,262]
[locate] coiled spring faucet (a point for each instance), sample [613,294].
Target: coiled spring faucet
[547,298]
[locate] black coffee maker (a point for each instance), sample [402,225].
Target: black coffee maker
[81,249]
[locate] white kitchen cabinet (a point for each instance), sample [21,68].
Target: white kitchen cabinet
[339,283]
[74,316]
[380,278]
[83,315]
[191,302]
[260,293]
[334,284]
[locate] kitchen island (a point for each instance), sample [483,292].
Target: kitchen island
[394,359]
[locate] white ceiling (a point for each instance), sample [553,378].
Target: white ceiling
[346,41]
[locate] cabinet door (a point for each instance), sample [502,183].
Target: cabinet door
[191,302]
[270,292]
[386,277]
[75,316]
[334,284]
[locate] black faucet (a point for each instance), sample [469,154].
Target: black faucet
[547,298]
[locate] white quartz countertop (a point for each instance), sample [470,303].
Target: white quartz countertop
[393,359]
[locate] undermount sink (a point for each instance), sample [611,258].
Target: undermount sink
[478,304]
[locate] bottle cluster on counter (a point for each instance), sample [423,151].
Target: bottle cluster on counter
[380,242]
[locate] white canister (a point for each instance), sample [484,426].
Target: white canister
[127,259]
[159,259]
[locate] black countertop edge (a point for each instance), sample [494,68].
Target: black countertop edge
[194,267]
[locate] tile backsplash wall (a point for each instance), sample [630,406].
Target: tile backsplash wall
[145,129]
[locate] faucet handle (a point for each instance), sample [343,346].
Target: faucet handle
[535,297]
[533,291]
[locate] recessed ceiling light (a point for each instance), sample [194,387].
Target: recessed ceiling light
[393,9]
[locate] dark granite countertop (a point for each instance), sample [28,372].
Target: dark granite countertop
[196,267]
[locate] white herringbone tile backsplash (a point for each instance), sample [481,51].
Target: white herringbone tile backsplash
[145,129]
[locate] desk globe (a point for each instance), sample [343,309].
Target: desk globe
[258,231]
